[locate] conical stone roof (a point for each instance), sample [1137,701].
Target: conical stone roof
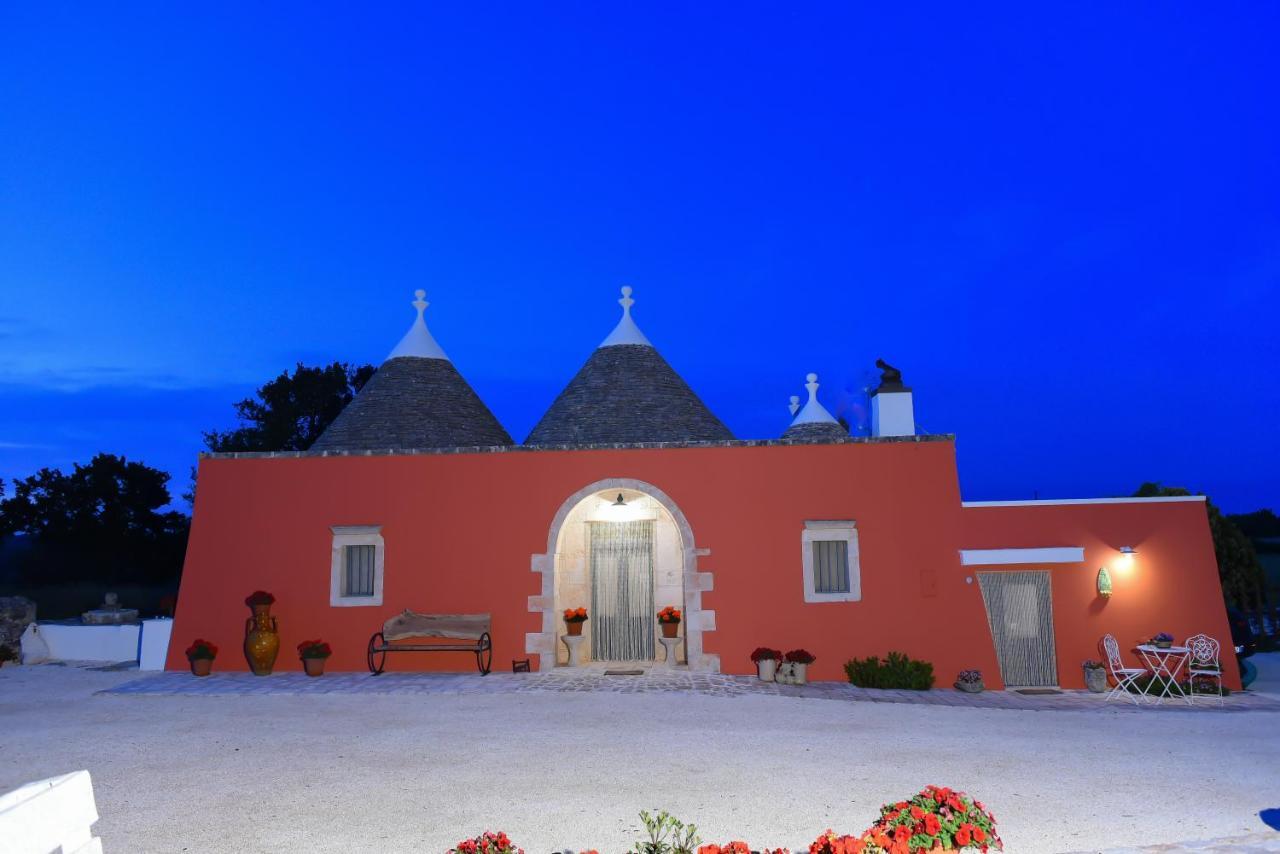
[416,399]
[813,422]
[626,393]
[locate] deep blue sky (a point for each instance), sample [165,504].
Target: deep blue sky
[1065,229]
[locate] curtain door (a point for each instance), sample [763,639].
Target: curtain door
[622,613]
[1020,613]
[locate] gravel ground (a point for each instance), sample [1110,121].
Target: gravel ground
[415,773]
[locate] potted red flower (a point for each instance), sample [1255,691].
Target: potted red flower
[201,654]
[799,661]
[766,662]
[487,843]
[313,654]
[669,619]
[573,620]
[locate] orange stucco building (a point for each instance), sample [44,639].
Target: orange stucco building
[630,496]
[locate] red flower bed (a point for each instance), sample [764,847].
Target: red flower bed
[487,843]
[937,819]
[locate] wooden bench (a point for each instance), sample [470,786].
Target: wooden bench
[411,626]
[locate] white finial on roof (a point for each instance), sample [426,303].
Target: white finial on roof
[417,342]
[626,332]
[795,404]
[813,412]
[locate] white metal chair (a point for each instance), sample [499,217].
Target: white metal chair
[1203,664]
[1125,677]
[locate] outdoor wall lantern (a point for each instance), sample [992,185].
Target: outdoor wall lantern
[1104,583]
[1126,557]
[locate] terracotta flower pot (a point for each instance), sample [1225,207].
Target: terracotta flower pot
[201,666]
[574,628]
[669,629]
[314,666]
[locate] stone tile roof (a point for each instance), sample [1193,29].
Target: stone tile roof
[627,393]
[816,431]
[413,402]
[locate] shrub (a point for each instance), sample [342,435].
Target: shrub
[487,843]
[800,656]
[896,671]
[764,653]
[667,835]
[1143,685]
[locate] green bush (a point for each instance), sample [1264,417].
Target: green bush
[896,671]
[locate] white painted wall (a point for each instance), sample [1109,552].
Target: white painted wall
[90,643]
[52,815]
[155,643]
[892,414]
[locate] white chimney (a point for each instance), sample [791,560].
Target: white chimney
[892,413]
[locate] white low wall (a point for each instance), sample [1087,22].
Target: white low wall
[90,643]
[56,814]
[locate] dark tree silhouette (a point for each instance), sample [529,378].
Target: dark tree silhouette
[291,411]
[101,522]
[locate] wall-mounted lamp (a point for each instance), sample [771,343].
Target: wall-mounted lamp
[1126,557]
[1104,583]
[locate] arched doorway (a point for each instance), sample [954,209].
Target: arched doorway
[623,561]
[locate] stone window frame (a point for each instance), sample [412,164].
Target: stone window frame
[831,530]
[355,535]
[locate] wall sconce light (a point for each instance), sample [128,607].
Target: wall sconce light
[1126,557]
[1104,583]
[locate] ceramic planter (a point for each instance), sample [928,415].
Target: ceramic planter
[261,640]
[1095,679]
[201,666]
[800,672]
[669,629]
[313,666]
[970,687]
[766,668]
[574,629]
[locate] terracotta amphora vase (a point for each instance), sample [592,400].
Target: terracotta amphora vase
[669,629]
[261,640]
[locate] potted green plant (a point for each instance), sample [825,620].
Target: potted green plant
[1163,640]
[1095,675]
[314,653]
[201,654]
[766,662]
[669,619]
[970,681]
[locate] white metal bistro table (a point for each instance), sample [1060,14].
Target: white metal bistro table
[1165,663]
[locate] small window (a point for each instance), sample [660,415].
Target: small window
[829,550]
[830,566]
[356,566]
[359,570]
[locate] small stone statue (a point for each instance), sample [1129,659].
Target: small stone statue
[890,377]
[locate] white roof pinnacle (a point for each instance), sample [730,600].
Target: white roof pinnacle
[813,412]
[794,406]
[626,332]
[417,342]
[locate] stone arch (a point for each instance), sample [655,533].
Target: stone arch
[697,620]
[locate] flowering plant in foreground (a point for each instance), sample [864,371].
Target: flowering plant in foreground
[970,677]
[575,615]
[487,843]
[669,614]
[738,847]
[201,648]
[800,656]
[314,649]
[937,818]
[764,653]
